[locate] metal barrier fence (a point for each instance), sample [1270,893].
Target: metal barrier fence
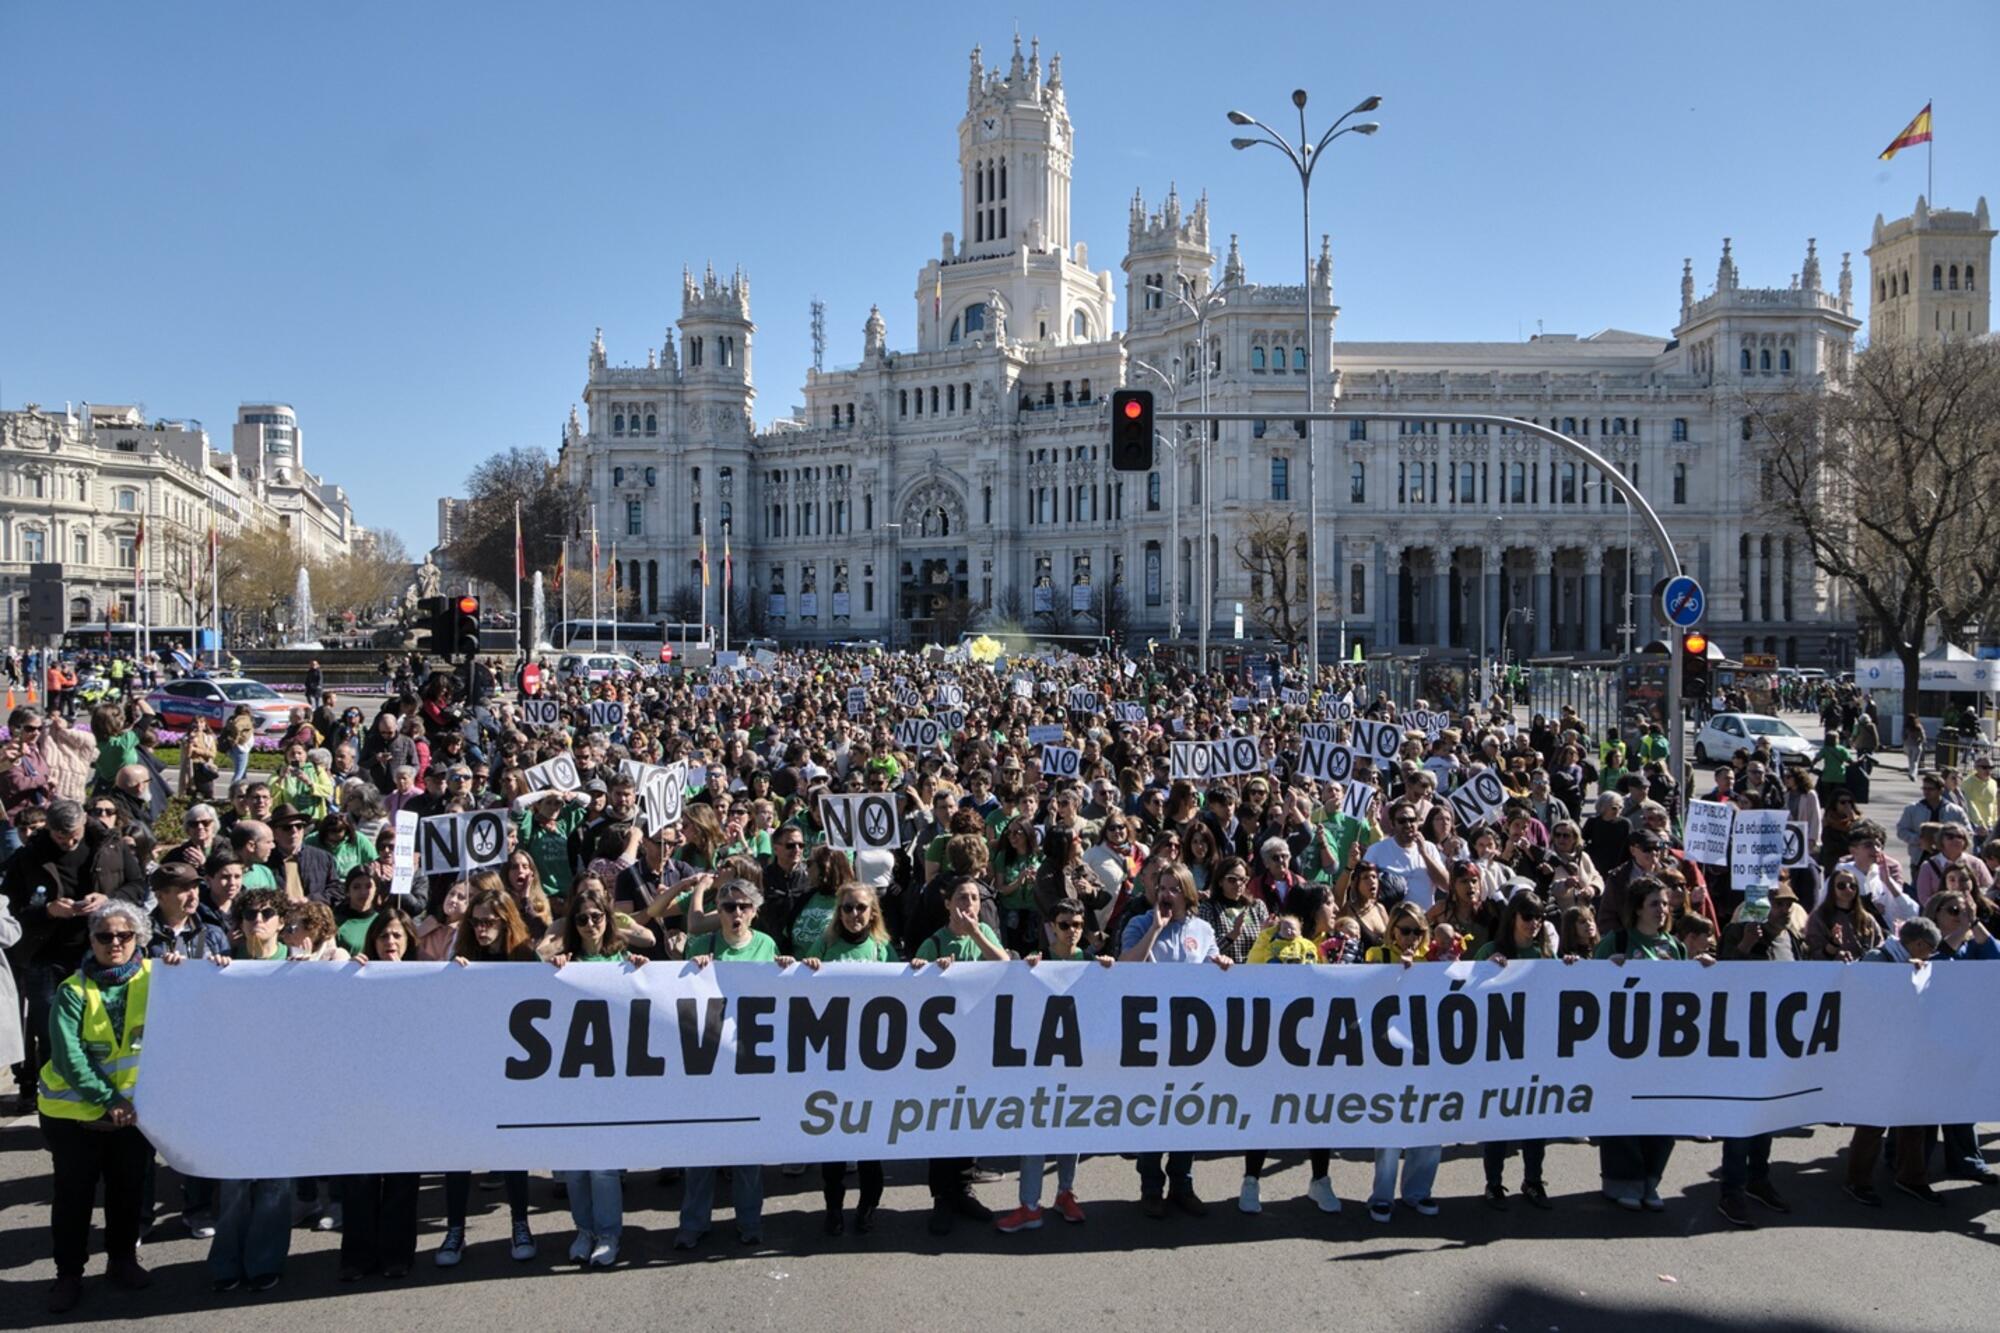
[1593,692]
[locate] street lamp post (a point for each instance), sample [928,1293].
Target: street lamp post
[1201,310]
[1304,157]
[1174,500]
[895,531]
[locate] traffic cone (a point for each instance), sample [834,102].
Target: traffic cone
[31,694]
[10,698]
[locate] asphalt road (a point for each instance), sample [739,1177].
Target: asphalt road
[1831,1264]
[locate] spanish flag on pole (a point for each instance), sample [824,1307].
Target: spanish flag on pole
[704,563]
[1916,132]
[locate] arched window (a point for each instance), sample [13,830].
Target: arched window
[694,351]
[126,501]
[1152,492]
[81,543]
[1746,361]
[1299,359]
[1970,285]
[1357,483]
[1569,423]
[1882,289]
[1906,282]
[954,331]
[975,318]
[1079,326]
[727,513]
[1569,483]
[1764,360]
[1256,358]
[1937,277]
[1785,360]
[1277,360]
[652,423]
[618,476]
[652,475]
[1954,278]
[618,424]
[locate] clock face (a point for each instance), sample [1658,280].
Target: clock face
[988,127]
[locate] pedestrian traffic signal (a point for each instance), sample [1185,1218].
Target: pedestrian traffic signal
[1694,665]
[1132,430]
[433,626]
[464,626]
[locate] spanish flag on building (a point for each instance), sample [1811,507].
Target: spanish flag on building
[1916,132]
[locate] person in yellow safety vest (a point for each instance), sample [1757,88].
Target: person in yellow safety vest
[96,1026]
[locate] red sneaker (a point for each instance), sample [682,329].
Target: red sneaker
[1025,1218]
[1071,1210]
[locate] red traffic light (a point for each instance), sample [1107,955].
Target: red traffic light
[468,606]
[1133,408]
[1695,643]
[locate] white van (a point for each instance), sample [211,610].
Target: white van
[594,667]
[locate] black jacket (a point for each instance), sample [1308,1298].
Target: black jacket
[100,863]
[317,877]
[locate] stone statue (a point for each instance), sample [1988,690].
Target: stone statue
[996,317]
[429,578]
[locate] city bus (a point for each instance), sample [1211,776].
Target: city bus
[123,637]
[643,639]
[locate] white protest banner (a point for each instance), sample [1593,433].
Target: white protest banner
[1478,799]
[1706,838]
[1379,740]
[557,774]
[662,792]
[908,698]
[1292,698]
[1201,760]
[403,872]
[1238,704]
[607,714]
[1337,710]
[1134,714]
[952,719]
[1045,733]
[857,700]
[1023,687]
[1756,848]
[1798,849]
[918,733]
[1356,797]
[541,713]
[867,673]
[1060,761]
[454,844]
[949,695]
[1083,699]
[1324,761]
[1319,731]
[861,821]
[514,1067]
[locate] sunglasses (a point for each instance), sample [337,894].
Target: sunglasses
[735,907]
[113,936]
[1408,932]
[261,914]
[854,909]
[480,922]
[1069,923]
[102,810]
[591,917]
[790,846]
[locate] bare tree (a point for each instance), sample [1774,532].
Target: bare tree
[1109,609]
[684,604]
[1892,479]
[1273,550]
[1010,608]
[952,617]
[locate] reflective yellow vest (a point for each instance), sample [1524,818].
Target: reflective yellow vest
[115,1055]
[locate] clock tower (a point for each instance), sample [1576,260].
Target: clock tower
[1015,149]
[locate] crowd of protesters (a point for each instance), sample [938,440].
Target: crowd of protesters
[1122,865]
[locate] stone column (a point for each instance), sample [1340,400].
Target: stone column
[1593,599]
[1392,594]
[1544,597]
[1441,596]
[1753,601]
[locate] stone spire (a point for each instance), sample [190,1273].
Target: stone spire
[977,80]
[597,350]
[1323,268]
[1809,273]
[1846,279]
[874,336]
[1014,69]
[1725,270]
[652,363]
[1035,63]
[668,356]
[1232,267]
[1687,288]
[575,423]
[1055,73]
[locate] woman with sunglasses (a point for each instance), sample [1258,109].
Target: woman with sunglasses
[308,933]
[735,940]
[489,930]
[1361,899]
[96,1027]
[1236,917]
[591,933]
[1407,942]
[1523,933]
[1017,863]
[1880,877]
[1841,929]
[378,1209]
[1462,907]
[856,933]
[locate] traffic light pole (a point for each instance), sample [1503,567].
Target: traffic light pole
[1583,453]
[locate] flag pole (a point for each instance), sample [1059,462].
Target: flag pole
[215,594]
[520,558]
[1930,155]
[725,587]
[614,594]
[593,576]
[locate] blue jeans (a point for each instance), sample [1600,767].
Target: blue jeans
[1745,1162]
[253,1229]
[698,1199]
[1031,1178]
[240,760]
[597,1203]
[1420,1168]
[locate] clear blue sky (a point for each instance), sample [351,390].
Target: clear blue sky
[406,219]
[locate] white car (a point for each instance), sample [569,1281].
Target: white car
[214,699]
[594,667]
[1726,733]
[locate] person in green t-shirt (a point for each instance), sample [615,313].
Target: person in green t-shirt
[855,934]
[737,940]
[357,912]
[543,831]
[1834,759]
[117,746]
[963,937]
[593,932]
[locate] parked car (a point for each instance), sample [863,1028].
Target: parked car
[595,666]
[215,698]
[1726,733]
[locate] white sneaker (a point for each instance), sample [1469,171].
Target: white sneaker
[1247,1199]
[603,1255]
[580,1248]
[1320,1191]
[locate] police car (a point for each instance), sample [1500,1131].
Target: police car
[214,699]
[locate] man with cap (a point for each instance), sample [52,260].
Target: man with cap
[430,801]
[303,872]
[182,923]
[1648,852]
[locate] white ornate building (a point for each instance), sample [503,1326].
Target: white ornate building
[973,463]
[76,483]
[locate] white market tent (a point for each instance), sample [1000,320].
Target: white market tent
[1945,669]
